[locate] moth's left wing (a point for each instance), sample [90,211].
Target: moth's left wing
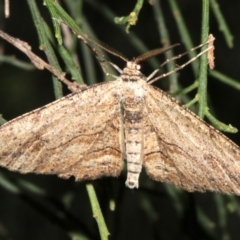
[182,149]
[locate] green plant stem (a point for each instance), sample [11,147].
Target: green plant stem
[233,204]
[45,45]
[222,23]
[17,63]
[58,11]
[219,125]
[185,90]
[132,18]
[2,120]
[97,213]
[202,88]
[91,72]
[206,223]
[193,101]
[184,33]
[75,11]
[222,215]
[225,79]
[165,39]
[65,55]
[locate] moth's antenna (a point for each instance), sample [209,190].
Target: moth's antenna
[103,46]
[210,47]
[153,53]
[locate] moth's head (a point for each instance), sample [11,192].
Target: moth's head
[131,72]
[133,66]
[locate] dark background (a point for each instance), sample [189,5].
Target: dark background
[156,210]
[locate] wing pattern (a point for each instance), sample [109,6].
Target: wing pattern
[184,150]
[75,136]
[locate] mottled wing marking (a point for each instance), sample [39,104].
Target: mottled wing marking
[182,149]
[75,136]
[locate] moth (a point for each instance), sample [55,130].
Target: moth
[89,134]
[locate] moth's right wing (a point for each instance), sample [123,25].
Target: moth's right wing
[78,135]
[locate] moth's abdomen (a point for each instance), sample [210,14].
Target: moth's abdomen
[133,127]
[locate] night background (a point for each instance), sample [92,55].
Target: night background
[47,207]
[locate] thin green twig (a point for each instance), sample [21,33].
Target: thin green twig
[2,120]
[97,213]
[132,18]
[206,223]
[165,39]
[184,33]
[186,90]
[219,125]
[222,215]
[15,62]
[62,15]
[65,55]
[225,79]
[192,102]
[223,26]
[202,87]
[233,204]
[45,45]
[91,73]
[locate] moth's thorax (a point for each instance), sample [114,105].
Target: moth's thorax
[131,82]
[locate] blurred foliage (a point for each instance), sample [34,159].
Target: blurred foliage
[46,207]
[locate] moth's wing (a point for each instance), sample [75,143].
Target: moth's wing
[77,135]
[182,149]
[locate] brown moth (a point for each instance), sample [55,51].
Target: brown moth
[88,134]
